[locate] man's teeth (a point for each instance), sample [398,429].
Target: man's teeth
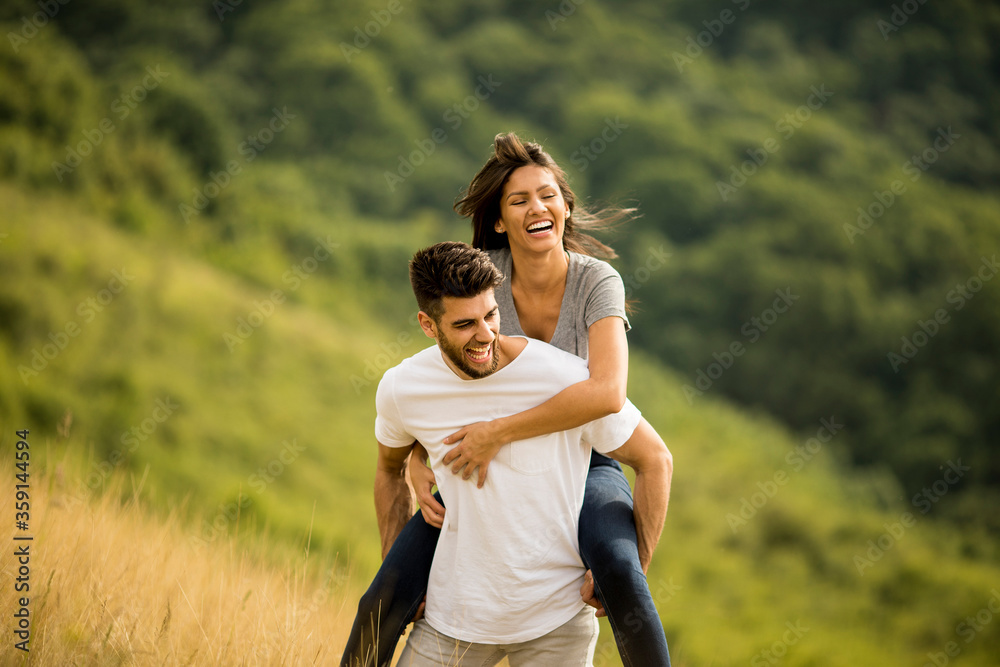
[479,352]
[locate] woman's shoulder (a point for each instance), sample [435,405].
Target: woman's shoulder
[499,255]
[597,289]
[501,259]
[592,268]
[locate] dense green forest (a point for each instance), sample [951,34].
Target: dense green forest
[212,203]
[844,154]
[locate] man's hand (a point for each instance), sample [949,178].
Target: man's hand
[589,595]
[422,478]
[480,442]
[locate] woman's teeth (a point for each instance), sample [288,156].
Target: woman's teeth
[539,227]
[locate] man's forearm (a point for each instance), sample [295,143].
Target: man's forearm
[652,493]
[393,506]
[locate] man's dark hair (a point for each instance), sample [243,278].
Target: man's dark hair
[450,269]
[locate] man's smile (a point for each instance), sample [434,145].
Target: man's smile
[480,354]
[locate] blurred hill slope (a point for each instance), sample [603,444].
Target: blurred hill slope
[764,529]
[207,218]
[847,154]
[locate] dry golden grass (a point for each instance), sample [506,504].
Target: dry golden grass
[112,584]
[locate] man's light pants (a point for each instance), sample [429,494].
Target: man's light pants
[571,645]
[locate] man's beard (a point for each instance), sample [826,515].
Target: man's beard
[457,356]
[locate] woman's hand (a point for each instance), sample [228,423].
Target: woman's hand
[420,611]
[480,443]
[422,478]
[590,596]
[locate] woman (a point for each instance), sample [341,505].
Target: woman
[523,212]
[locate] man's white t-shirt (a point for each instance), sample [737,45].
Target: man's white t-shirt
[507,566]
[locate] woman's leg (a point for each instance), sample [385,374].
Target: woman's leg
[393,597]
[609,548]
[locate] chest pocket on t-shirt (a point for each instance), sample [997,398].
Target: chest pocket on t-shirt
[534,456]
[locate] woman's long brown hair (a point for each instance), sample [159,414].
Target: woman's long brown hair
[481,200]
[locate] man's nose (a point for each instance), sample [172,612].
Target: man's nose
[484,334]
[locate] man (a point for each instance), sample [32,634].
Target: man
[506,573]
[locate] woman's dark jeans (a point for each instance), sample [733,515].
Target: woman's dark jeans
[608,547]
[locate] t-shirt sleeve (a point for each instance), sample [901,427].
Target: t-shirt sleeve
[389,429]
[609,433]
[606,298]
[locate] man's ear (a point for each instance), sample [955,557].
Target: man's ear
[427,324]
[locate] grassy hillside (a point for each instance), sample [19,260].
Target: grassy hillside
[155,369]
[768,146]
[760,533]
[113,585]
[203,253]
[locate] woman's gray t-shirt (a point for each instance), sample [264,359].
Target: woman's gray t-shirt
[594,290]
